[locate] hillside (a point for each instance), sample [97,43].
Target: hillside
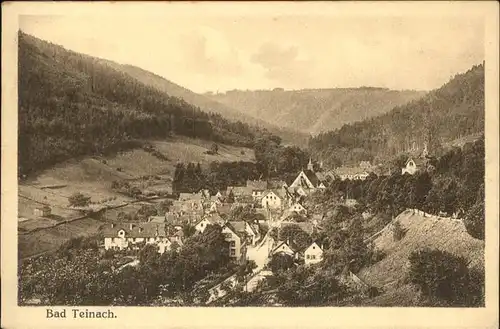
[207,104]
[93,176]
[316,110]
[72,104]
[451,112]
[437,233]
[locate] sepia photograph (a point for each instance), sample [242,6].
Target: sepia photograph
[240,159]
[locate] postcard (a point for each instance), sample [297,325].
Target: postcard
[250,164]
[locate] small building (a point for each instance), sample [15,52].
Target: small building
[351,173]
[237,242]
[191,196]
[410,167]
[42,211]
[298,208]
[208,220]
[283,247]
[313,254]
[258,188]
[250,232]
[271,200]
[134,235]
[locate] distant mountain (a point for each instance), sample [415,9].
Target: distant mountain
[207,104]
[452,112]
[315,110]
[72,104]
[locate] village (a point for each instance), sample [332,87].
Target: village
[276,205]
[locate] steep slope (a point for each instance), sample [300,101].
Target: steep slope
[444,234]
[316,110]
[451,112]
[72,104]
[207,104]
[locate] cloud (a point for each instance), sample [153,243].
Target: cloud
[208,52]
[283,64]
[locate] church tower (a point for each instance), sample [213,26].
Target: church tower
[310,165]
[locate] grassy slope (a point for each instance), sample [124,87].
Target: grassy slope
[316,110]
[93,177]
[444,234]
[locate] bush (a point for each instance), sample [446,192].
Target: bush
[474,221]
[445,277]
[397,231]
[79,200]
[280,262]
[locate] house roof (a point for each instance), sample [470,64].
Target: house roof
[289,244]
[240,190]
[139,230]
[244,199]
[157,219]
[237,230]
[190,196]
[224,208]
[238,226]
[304,226]
[315,245]
[257,185]
[276,184]
[311,175]
[349,171]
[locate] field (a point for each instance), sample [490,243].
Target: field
[443,234]
[93,176]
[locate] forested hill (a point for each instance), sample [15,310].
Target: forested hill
[209,105]
[72,104]
[453,111]
[316,110]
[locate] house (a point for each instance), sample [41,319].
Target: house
[135,235]
[313,254]
[276,184]
[304,226]
[251,232]
[298,208]
[42,211]
[239,191]
[193,207]
[365,165]
[350,202]
[208,220]
[258,188]
[224,208]
[309,179]
[271,200]
[410,167]
[191,196]
[157,219]
[284,247]
[351,173]
[237,242]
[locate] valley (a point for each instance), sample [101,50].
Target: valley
[136,191]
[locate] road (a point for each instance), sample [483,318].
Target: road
[260,253]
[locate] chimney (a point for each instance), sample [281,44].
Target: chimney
[112,225]
[140,229]
[288,241]
[131,226]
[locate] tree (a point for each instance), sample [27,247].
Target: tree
[281,262]
[474,220]
[444,276]
[397,231]
[79,200]
[214,149]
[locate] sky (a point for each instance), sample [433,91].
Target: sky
[264,52]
